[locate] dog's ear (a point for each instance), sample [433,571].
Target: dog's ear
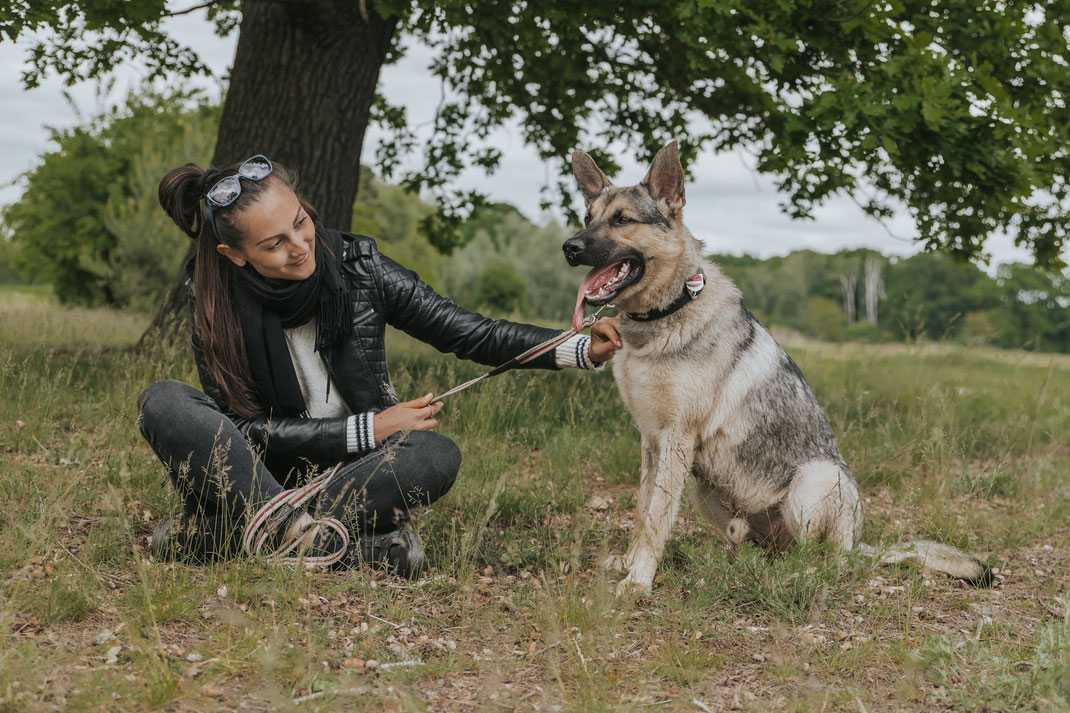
[665,179]
[589,177]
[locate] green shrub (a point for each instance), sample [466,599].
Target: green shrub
[501,289]
[70,224]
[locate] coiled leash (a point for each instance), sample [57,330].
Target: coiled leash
[535,352]
[255,534]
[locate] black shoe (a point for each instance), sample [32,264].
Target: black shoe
[194,540]
[164,546]
[399,552]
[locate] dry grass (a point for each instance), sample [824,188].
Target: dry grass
[30,318]
[964,445]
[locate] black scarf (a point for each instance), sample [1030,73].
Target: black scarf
[266,307]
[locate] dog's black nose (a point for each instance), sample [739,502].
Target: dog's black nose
[574,248]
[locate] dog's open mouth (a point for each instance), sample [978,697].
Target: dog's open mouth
[602,284]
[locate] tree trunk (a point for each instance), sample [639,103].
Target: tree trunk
[301,93]
[874,287]
[849,284]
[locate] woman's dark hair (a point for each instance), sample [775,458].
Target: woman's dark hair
[181,194]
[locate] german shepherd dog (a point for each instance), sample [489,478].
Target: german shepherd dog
[714,396]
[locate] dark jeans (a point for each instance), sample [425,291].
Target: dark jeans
[222,480]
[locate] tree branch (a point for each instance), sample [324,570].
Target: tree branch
[188,10]
[852,16]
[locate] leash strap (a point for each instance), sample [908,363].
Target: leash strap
[254,536]
[531,354]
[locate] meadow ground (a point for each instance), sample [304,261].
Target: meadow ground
[966,446]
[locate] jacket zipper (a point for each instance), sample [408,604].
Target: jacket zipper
[330,378]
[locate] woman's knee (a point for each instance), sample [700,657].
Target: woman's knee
[164,402]
[151,401]
[163,392]
[440,457]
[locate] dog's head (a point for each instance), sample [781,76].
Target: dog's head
[633,239]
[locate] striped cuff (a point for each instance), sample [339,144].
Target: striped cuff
[360,432]
[576,353]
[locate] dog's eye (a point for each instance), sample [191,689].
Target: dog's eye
[624,220]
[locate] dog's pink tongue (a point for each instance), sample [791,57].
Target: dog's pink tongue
[591,281]
[577,316]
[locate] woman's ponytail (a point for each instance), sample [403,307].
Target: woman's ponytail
[180,196]
[215,317]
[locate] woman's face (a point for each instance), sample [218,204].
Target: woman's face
[279,235]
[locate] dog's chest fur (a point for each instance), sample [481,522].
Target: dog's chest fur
[714,376]
[671,371]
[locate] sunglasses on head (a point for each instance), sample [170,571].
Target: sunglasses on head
[227,190]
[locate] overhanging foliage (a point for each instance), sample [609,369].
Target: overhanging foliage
[954,109]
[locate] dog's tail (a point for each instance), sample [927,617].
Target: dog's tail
[937,556]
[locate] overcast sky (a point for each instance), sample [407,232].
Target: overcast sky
[730,207]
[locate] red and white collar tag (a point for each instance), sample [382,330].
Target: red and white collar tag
[695,283]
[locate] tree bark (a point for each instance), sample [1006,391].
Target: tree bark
[849,283]
[874,287]
[301,92]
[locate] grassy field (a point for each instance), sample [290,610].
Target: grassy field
[967,446]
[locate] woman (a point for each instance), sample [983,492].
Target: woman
[297,448]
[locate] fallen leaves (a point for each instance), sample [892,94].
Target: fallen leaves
[598,503]
[38,567]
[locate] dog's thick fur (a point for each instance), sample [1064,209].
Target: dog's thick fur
[714,396]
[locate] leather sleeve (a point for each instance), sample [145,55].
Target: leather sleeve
[415,308]
[319,440]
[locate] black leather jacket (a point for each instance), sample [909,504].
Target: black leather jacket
[383,293]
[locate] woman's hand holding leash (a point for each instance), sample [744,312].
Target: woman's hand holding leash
[415,415]
[605,339]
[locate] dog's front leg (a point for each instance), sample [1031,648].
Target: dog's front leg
[646,480]
[658,507]
[649,447]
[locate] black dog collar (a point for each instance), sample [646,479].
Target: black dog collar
[692,287]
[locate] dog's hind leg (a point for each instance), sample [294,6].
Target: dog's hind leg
[823,503]
[707,501]
[667,482]
[709,504]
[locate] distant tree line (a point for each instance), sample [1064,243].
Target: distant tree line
[89,224]
[863,295]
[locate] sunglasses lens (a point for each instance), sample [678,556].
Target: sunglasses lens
[255,168]
[224,192]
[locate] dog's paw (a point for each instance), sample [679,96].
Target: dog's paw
[613,563]
[630,586]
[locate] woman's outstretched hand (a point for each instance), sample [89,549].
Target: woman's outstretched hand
[605,339]
[415,415]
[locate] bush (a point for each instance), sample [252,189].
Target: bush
[8,274]
[977,330]
[501,235]
[501,289]
[822,319]
[862,332]
[67,224]
[149,248]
